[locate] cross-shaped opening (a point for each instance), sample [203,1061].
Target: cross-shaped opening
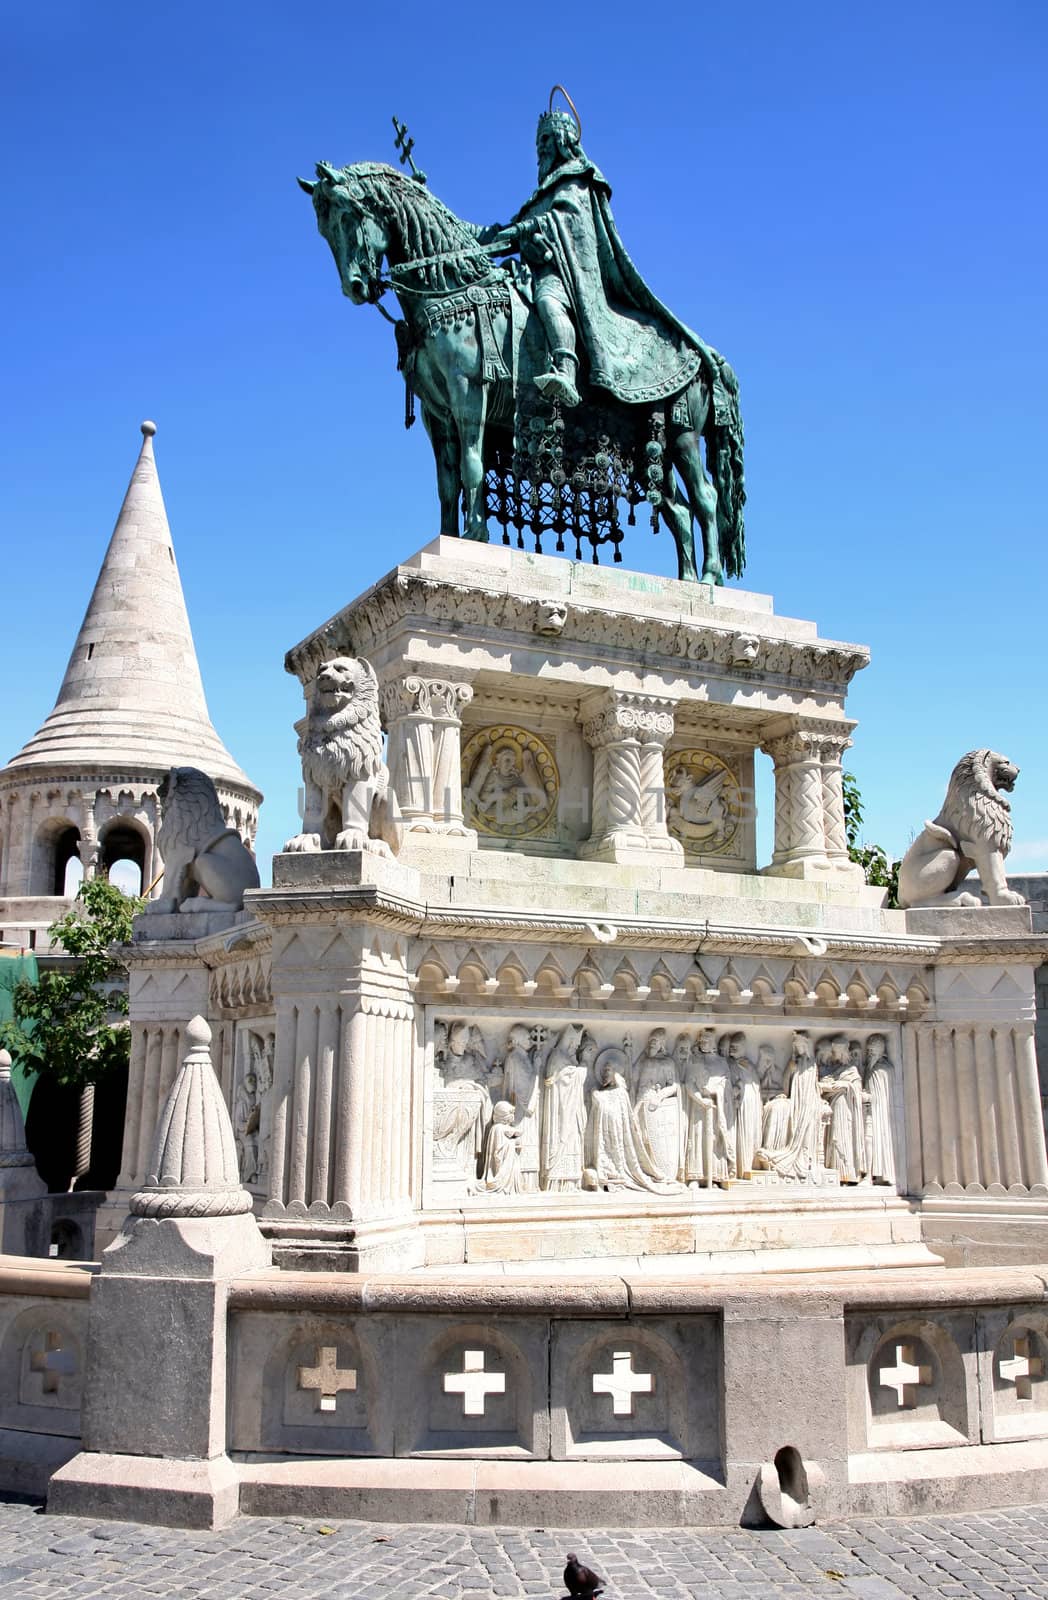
[1021,1368]
[54,1362]
[473,1383]
[906,1376]
[622,1383]
[327,1378]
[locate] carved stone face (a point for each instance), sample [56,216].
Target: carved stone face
[657,1042]
[736,1045]
[707,1042]
[801,1044]
[839,1053]
[876,1046]
[682,1050]
[458,1038]
[519,1037]
[339,680]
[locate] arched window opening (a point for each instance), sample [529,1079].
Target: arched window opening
[74,877]
[65,849]
[123,857]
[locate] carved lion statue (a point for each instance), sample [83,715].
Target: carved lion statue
[972,831]
[349,802]
[207,866]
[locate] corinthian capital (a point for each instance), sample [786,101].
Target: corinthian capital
[437,699]
[646,718]
[790,747]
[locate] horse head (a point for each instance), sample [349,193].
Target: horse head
[353,226]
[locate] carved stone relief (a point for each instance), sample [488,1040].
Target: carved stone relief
[704,802]
[252,1108]
[587,1105]
[510,783]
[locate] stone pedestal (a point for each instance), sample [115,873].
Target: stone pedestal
[346,1088]
[156,1350]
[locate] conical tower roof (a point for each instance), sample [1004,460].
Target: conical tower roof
[132,696]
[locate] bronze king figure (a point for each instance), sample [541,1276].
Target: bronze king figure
[555,387]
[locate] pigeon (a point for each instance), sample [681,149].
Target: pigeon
[579,1580]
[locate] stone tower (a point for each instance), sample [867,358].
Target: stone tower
[130,707]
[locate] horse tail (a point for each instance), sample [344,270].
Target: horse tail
[724,437]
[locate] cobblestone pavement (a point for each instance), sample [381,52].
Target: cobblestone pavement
[999,1553]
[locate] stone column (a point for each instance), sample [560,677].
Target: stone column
[423,717]
[628,734]
[88,849]
[833,748]
[800,816]
[29,799]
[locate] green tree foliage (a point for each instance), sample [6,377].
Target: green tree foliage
[880,869]
[71,1023]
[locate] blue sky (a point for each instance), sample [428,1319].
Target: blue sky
[848,201]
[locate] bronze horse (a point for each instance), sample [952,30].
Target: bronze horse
[471,351]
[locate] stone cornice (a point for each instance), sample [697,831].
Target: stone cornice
[283,907]
[662,640]
[286,906]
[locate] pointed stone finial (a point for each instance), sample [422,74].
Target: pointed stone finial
[193,1171]
[13,1151]
[132,694]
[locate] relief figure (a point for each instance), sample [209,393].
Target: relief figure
[775,1130]
[880,1086]
[462,1104]
[658,1104]
[563,1112]
[709,1155]
[803,1149]
[746,1086]
[846,1135]
[520,1086]
[618,1155]
[500,1163]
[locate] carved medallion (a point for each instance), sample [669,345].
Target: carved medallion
[703,801]
[510,782]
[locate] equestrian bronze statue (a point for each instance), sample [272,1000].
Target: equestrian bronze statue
[555,388]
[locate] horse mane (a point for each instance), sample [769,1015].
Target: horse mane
[427,228]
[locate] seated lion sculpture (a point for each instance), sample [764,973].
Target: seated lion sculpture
[973,830]
[207,866]
[349,804]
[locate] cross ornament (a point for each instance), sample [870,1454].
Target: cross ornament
[473,1383]
[327,1378]
[622,1383]
[1020,1367]
[54,1362]
[405,146]
[906,1377]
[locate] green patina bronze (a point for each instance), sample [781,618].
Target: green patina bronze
[555,387]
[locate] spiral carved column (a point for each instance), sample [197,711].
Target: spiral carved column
[628,733]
